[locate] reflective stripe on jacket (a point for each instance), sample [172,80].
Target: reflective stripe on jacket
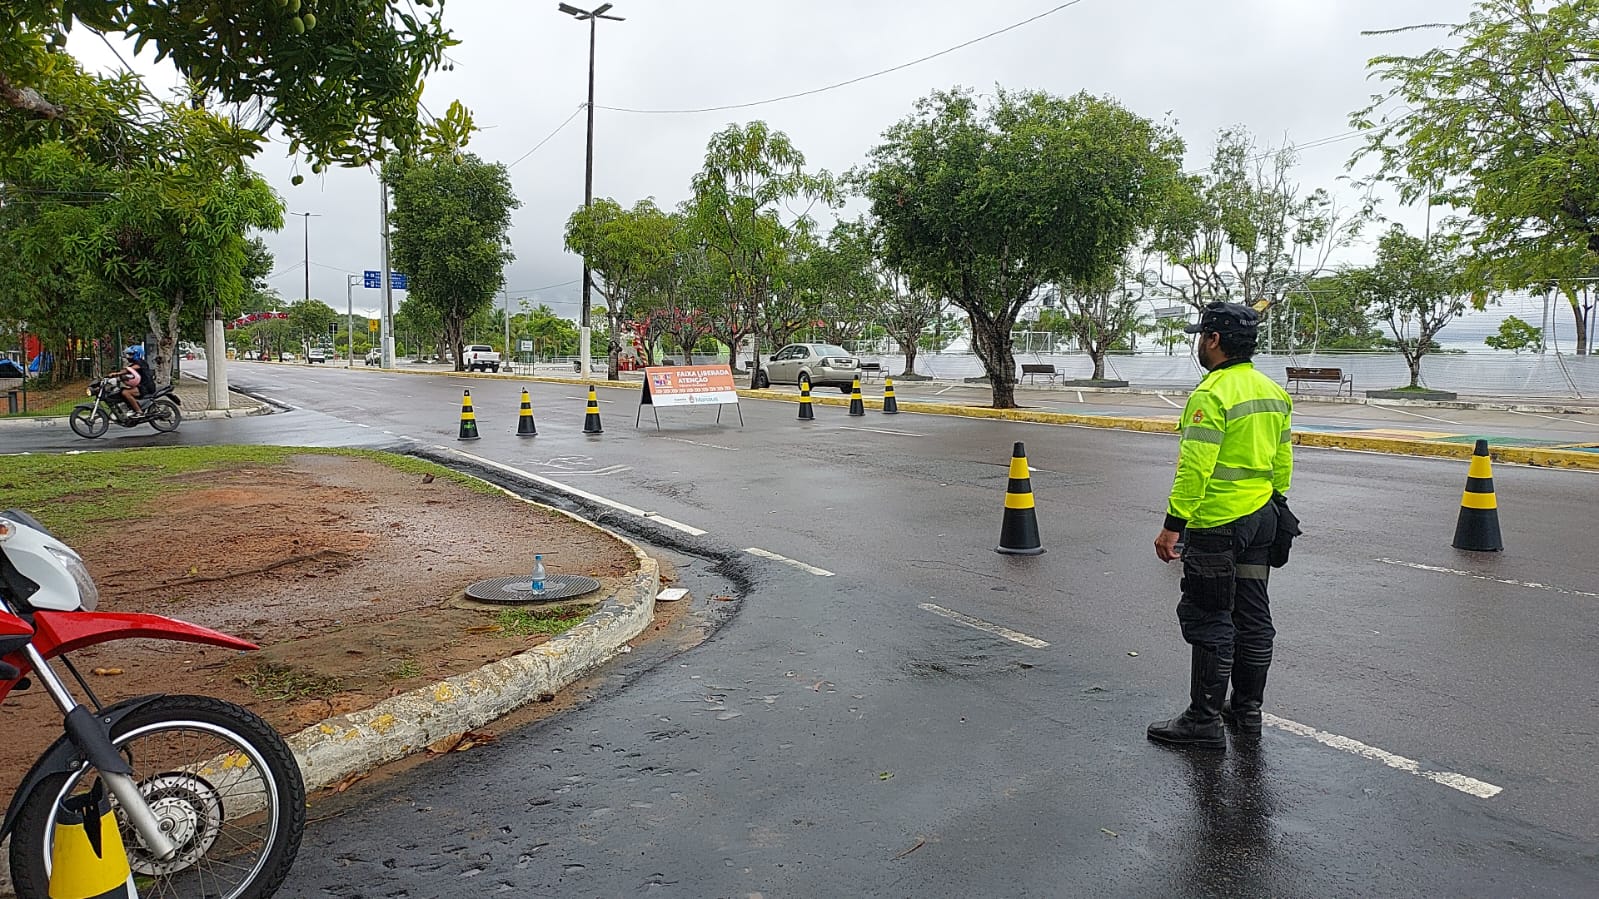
[1236,447]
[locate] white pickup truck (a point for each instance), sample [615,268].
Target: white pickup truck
[481,357]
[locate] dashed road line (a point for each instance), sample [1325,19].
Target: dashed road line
[731,449]
[980,624]
[1417,415]
[1468,785]
[591,497]
[1531,585]
[882,431]
[1168,401]
[768,554]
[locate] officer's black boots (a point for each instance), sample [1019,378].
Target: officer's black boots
[1200,726]
[1243,707]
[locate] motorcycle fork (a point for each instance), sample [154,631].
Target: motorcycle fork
[92,738]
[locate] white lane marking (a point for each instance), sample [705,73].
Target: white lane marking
[882,431]
[591,497]
[1566,420]
[1079,396]
[1469,785]
[1533,585]
[584,399]
[1167,401]
[980,624]
[360,425]
[946,390]
[387,378]
[609,469]
[731,449]
[1416,414]
[768,554]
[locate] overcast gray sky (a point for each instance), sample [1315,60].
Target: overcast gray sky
[1286,69]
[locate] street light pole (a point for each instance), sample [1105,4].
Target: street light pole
[307,216]
[349,321]
[592,17]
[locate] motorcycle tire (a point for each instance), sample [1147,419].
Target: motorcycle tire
[195,790]
[165,417]
[89,421]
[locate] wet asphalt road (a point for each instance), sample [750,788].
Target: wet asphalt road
[836,738]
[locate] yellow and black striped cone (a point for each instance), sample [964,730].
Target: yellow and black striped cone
[468,418]
[857,406]
[87,858]
[1018,534]
[1478,527]
[591,420]
[525,426]
[806,413]
[890,405]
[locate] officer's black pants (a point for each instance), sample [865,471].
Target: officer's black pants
[1215,618]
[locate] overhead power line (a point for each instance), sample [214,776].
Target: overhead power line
[856,80]
[547,138]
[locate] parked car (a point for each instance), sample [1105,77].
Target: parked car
[315,355]
[481,357]
[816,364]
[374,357]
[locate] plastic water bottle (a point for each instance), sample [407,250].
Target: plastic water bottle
[538,576]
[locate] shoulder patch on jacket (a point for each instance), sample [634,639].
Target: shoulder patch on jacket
[1199,416]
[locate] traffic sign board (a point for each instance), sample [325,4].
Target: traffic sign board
[372,278]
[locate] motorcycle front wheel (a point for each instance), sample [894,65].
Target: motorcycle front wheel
[165,417]
[220,780]
[89,421]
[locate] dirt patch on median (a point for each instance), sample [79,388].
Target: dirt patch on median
[346,571]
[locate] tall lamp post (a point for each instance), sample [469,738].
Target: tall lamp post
[349,321]
[592,17]
[307,216]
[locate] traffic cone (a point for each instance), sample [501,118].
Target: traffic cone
[87,858]
[890,406]
[1478,527]
[1018,534]
[591,421]
[468,419]
[524,422]
[806,413]
[856,405]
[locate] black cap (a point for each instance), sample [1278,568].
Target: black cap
[1225,318]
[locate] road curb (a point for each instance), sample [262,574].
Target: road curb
[358,742]
[60,421]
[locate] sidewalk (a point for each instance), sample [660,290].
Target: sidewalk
[193,395]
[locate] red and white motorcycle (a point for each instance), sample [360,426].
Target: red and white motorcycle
[206,795]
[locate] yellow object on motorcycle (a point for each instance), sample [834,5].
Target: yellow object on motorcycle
[87,858]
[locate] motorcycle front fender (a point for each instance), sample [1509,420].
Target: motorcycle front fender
[62,757]
[58,632]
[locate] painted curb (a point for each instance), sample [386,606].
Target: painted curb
[356,743]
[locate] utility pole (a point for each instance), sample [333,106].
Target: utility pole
[307,216]
[349,321]
[387,316]
[592,17]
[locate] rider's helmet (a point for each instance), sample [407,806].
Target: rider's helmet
[135,353]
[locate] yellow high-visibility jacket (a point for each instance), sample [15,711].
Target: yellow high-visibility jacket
[1236,448]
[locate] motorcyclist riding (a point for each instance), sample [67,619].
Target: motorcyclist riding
[135,377]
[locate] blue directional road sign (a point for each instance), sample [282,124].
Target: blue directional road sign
[370,278]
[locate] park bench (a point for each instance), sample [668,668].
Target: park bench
[1031,370]
[871,371]
[1297,376]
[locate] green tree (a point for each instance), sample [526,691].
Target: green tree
[750,174]
[341,77]
[1101,314]
[1327,313]
[1515,335]
[311,322]
[841,284]
[1501,123]
[984,207]
[626,248]
[450,222]
[1417,286]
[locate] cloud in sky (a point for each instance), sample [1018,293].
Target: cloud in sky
[1286,69]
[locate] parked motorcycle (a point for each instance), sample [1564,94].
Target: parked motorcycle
[207,797]
[160,410]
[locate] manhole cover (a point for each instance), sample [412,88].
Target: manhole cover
[516,589]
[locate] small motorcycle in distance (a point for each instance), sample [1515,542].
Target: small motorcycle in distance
[92,419]
[207,798]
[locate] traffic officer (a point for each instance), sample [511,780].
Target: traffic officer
[1235,456]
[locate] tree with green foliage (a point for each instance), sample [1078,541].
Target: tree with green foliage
[1327,313]
[1515,335]
[451,217]
[1501,124]
[986,206]
[342,78]
[751,173]
[840,284]
[1101,314]
[1417,286]
[626,248]
[312,322]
